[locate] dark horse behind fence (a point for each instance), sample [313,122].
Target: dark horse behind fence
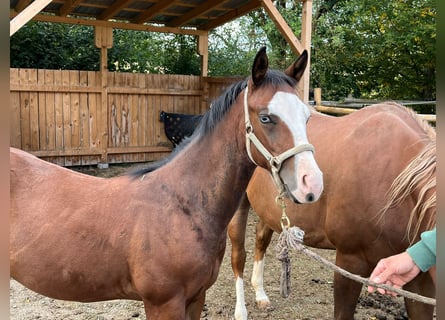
[379,173]
[159,234]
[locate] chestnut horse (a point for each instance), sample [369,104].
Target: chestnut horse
[380,151]
[158,235]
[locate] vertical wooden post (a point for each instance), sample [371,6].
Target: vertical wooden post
[317,96]
[203,51]
[296,46]
[306,34]
[103,40]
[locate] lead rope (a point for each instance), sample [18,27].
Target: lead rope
[292,237]
[287,238]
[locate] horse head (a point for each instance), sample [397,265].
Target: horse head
[276,121]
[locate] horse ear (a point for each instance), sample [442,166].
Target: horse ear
[259,67]
[297,68]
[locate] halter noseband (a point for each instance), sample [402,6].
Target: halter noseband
[274,161]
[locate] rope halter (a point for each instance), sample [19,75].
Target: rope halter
[274,161]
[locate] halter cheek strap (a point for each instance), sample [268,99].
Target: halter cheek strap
[274,161]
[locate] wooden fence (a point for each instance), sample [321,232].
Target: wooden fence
[76,118]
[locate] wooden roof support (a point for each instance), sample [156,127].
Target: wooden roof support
[154,10]
[232,15]
[116,25]
[203,50]
[200,10]
[68,6]
[283,27]
[113,9]
[27,14]
[21,4]
[295,44]
[306,36]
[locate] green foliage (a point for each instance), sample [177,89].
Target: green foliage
[54,46]
[137,51]
[369,49]
[62,46]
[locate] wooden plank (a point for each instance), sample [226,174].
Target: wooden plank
[147,14]
[42,124]
[66,115]
[24,112]
[15,125]
[84,132]
[53,88]
[74,110]
[283,27]
[142,149]
[332,110]
[202,9]
[68,6]
[92,124]
[232,15]
[74,114]
[50,112]
[26,15]
[113,24]
[306,36]
[58,114]
[103,106]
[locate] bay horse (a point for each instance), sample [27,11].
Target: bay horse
[379,173]
[158,234]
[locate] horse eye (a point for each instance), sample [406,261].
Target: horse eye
[265,119]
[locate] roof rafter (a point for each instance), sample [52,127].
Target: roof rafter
[114,9]
[198,11]
[252,5]
[153,10]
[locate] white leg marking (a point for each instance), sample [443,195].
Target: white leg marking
[240,308]
[257,282]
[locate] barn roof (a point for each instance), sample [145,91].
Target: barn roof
[128,14]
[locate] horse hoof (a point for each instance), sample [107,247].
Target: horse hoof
[264,305]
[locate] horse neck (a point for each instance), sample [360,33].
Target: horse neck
[220,168]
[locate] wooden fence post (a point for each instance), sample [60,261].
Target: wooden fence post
[103,39]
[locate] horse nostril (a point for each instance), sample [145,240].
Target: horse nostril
[310,197]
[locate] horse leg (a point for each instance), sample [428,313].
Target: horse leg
[194,309]
[423,284]
[347,291]
[237,234]
[174,309]
[263,237]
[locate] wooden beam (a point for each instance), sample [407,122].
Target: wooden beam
[203,50]
[283,27]
[196,12]
[21,5]
[103,37]
[306,35]
[26,15]
[231,15]
[68,6]
[114,24]
[113,9]
[153,10]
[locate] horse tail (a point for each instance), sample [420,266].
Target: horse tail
[420,174]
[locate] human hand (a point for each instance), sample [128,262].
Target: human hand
[396,270]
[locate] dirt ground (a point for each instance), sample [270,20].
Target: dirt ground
[311,296]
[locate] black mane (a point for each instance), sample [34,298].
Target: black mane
[219,108]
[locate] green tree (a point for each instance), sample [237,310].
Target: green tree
[54,46]
[371,49]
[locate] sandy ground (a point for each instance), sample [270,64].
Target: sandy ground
[311,296]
